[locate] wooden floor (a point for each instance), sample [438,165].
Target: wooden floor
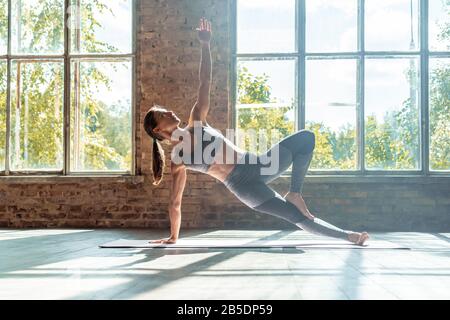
[67,264]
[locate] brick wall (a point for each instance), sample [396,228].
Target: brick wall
[167,63]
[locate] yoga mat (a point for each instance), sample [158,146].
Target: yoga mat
[252,243]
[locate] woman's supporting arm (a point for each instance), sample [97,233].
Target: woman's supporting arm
[178,184]
[176,194]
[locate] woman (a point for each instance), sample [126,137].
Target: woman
[242,178]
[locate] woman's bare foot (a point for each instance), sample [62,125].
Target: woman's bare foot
[358,238]
[297,200]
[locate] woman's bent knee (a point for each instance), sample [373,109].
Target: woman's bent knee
[308,140]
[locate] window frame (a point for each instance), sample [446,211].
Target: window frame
[66,58]
[423,54]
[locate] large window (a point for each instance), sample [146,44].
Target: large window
[66,86]
[371,78]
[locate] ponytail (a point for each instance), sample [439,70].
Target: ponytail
[157,152]
[157,162]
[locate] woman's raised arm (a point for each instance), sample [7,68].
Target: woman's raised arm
[201,106]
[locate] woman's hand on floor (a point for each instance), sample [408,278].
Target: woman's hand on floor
[165,240]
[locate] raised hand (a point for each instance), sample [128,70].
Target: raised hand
[204,31]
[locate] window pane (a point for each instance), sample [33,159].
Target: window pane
[439,25]
[392,114]
[3,26]
[331,25]
[440,114]
[37,27]
[392,25]
[3,68]
[101,26]
[265,101]
[37,115]
[265,26]
[331,112]
[100,115]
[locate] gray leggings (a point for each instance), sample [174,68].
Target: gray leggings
[249,183]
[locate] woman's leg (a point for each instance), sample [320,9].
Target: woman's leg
[245,184]
[296,149]
[279,207]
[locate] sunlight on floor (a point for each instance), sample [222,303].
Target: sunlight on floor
[22,234]
[68,264]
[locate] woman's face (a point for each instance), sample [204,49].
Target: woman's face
[167,121]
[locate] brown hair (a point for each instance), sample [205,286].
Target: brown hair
[158,152]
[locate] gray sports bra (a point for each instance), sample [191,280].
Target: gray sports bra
[208,136]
